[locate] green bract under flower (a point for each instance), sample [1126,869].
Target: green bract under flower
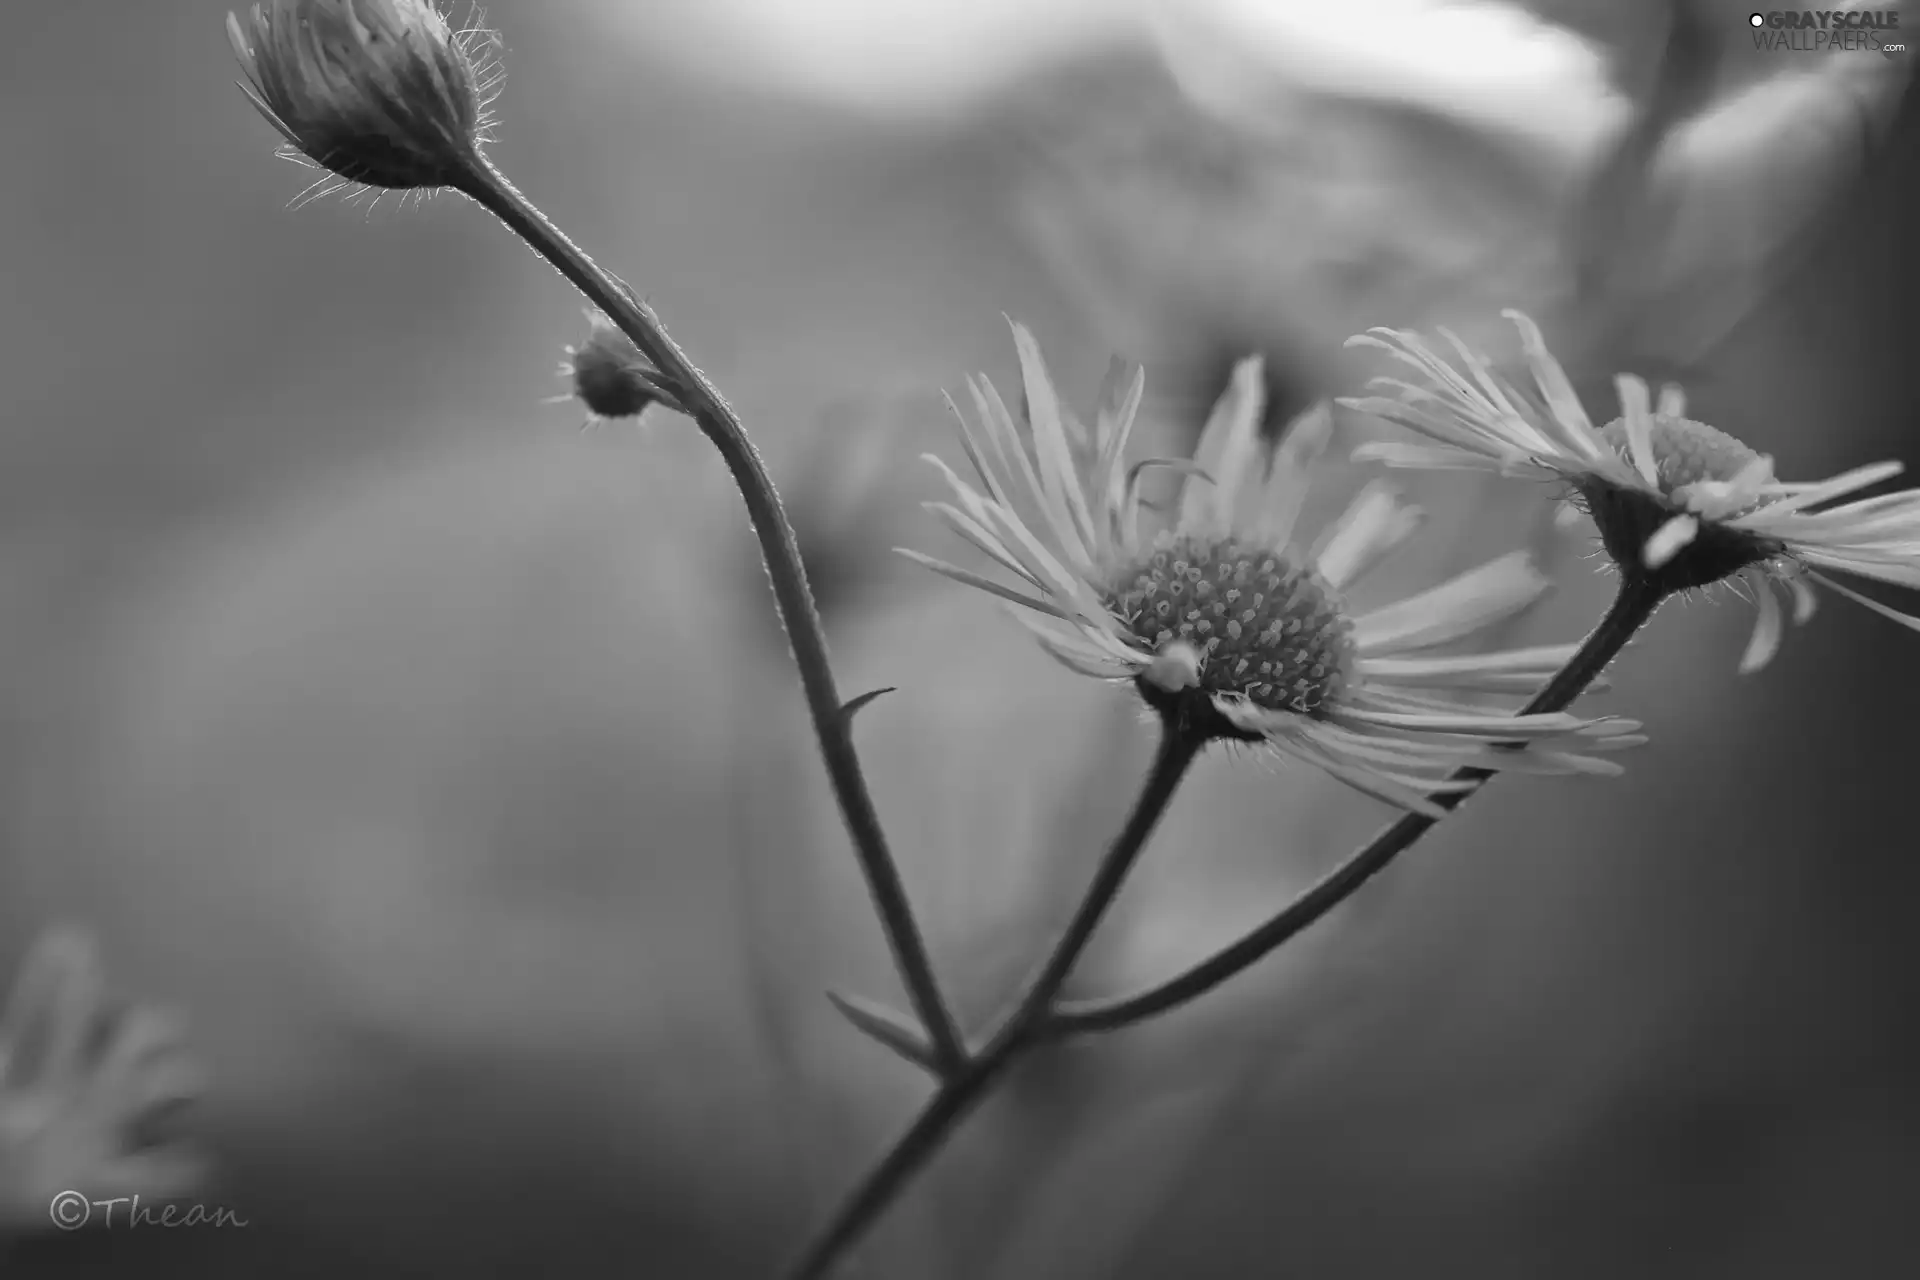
[1222,622]
[1677,502]
[381,92]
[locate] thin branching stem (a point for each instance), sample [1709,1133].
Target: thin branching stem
[959,1094]
[717,420]
[1632,607]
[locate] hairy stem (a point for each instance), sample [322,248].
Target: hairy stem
[959,1094]
[717,420]
[1631,608]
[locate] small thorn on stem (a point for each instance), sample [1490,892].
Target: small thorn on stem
[853,705]
[888,1027]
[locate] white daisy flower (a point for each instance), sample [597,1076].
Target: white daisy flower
[1224,623]
[1675,500]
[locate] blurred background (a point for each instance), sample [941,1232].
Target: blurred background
[444,768]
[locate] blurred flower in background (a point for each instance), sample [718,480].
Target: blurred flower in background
[87,1082]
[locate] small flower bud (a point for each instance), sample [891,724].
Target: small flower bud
[382,92]
[610,376]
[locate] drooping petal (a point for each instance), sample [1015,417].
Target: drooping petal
[1766,631]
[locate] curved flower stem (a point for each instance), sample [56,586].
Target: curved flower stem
[717,420]
[1632,607]
[960,1093]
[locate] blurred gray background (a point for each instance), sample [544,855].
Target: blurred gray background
[444,766]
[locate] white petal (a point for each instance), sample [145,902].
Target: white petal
[1805,601]
[1291,477]
[1058,520]
[1391,751]
[1371,527]
[1114,425]
[1076,654]
[1444,418]
[1557,390]
[1126,531]
[1482,416]
[1489,386]
[1459,607]
[1517,728]
[977,449]
[1901,571]
[1001,437]
[1669,540]
[1827,490]
[1881,609]
[1638,417]
[1538,658]
[988,585]
[1393,453]
[1226,450]
[967,528]
[1040,564]
[1721,499]
[1513,670]
[1766,630]
[1113,390]
[1060,480]
[1672,402]
[1308,745]
[1872,521]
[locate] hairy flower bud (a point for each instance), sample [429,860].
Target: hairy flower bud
[610,376]
[381,92]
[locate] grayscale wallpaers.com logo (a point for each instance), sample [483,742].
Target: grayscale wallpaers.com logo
[1828,30]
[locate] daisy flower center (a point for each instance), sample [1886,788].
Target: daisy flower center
[1268,630]
[1684,451]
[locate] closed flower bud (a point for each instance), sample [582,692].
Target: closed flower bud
[610,376]
[381,92]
